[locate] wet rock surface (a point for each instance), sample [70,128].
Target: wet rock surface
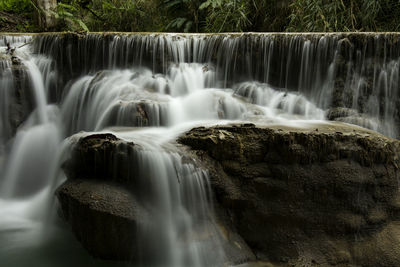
[17,93]
[100,157]
[22,101]
[352,116]
[323,196]
[103,217]
[100,201]
[340,112]
[326,196]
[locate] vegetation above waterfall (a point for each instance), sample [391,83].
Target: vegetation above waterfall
[202,15]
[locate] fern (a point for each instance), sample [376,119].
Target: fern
[68,14]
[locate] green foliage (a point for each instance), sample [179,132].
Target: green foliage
[213,15]
[180,23]
[227,15]
[23,7]
[68,15]
[185,15]
[17,15]
[117,15]
[386,17]
[108,15]
[270,15]
[341,15]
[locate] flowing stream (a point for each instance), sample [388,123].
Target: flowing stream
[149,89]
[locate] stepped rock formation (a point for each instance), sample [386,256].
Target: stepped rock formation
[334,70]
[325,196]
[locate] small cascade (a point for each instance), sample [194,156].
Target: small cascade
[279,102]
[186,93]
[15,87]
[142,98]
[39,91]
[372,85]
[179,228]
[38,136]
[49,75]
[29,159]
[14,40]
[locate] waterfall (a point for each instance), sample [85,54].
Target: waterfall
[6,83]
[30,155]
[149,89]
[354,71]
[179,228]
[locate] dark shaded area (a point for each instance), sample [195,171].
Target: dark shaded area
[203,15]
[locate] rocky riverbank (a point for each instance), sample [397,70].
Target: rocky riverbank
[326,196]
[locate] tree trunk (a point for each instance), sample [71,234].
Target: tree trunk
[45,17]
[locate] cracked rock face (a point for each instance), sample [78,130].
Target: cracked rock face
[327,196]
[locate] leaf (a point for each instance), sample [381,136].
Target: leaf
[176,23]
[82,24]
[65,14]
[171,3]
[66,6]
[205,5]
[180,22]
[188,25]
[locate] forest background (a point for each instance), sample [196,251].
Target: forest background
[200,15]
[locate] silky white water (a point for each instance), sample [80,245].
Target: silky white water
[151,104]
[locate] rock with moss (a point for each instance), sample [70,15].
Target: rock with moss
[325,196]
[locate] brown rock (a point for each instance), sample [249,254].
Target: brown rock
[103,217]
[301,196]
[102,157]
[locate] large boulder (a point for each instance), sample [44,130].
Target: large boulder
[100,157]
[103,216]
[102,201]
[321,196]
[102,213]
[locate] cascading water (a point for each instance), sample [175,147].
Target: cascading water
[178,229]
[157,86]
[6,83]
[354,71]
